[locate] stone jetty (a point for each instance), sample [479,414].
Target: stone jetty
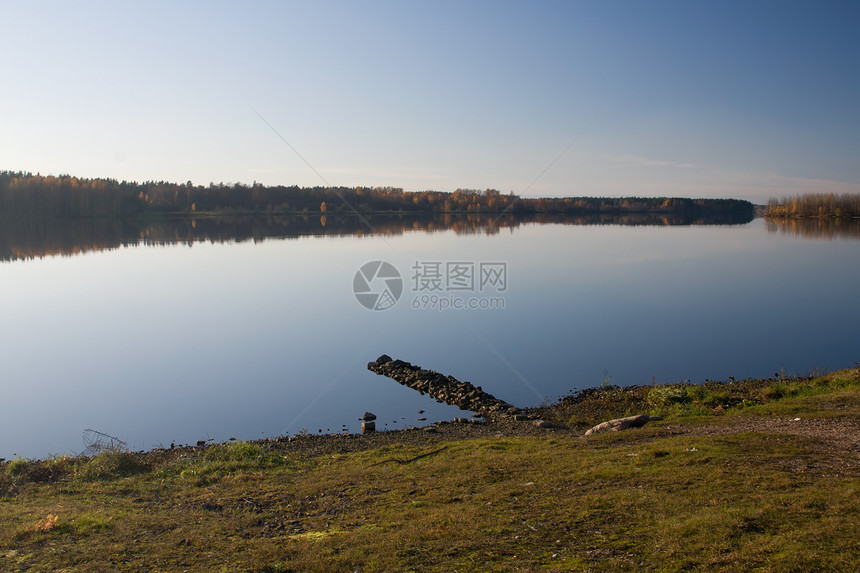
[443,388]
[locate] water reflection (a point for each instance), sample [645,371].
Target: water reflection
[827,229]
[22,239]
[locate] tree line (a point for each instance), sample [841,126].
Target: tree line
[819,205]
[26,194]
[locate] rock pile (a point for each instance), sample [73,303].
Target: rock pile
[443,388]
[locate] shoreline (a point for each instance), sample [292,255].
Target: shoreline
[571,415]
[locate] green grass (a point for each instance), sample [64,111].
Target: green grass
[646,499]
[713,398]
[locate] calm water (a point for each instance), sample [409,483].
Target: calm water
[179,342]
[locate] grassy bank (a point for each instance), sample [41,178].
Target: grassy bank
[744,475]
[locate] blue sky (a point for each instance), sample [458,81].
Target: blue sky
[744,99]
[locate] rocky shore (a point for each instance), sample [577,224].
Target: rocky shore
[443,388]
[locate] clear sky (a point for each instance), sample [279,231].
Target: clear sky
[746,99]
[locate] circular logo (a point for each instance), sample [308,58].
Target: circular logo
[377,285]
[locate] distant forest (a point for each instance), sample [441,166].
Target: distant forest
[814,205]
[27,195]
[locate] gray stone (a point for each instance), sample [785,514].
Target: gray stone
[368,427]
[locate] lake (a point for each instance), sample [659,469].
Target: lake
[158,336]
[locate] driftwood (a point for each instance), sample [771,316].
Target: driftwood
[620,424]
[418,457]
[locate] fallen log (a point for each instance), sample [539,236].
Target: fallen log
[620,424]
